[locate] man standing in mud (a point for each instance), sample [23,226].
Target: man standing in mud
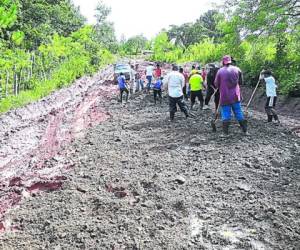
[174,83]
[123,86]
[228,80]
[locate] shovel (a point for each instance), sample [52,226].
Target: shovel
[251,98]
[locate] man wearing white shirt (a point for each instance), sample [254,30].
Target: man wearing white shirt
[149,75]
[271,87]
[174,82]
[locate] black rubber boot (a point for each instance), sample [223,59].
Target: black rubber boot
[243,125]
[186,114]
[201,105]
[270,118]
[276,119]
[172,115]
[225,127]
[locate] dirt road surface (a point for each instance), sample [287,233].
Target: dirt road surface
[85,172]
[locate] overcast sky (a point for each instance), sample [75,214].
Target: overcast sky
[133,17]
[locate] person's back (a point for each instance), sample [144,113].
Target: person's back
[158,84]
[157,71]
[227,80]
[196,82]
[270,86]
[211,76]
[149,70]
[175,82]
[121,82]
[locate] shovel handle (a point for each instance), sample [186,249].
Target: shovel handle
[251,98]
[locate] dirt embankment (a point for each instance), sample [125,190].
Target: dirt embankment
[140,182]
[37,133]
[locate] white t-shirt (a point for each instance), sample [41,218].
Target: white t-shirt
[149,70]
[270,86]
[174,81]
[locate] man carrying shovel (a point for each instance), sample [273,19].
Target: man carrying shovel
[228,80]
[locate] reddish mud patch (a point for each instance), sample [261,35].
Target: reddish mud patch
[34,137]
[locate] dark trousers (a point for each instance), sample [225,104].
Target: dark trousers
[210,92]
[194,95]
[270,108]
[185,94]
[173,101]
[157,92]
[121,94]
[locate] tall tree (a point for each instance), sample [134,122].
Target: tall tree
[40,19]
[104,30]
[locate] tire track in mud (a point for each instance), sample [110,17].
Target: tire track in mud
[33,135]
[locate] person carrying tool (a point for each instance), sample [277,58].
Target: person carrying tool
[211,88]
[228,81]
[122,86]
[271,87]
[196,86]
[157,90]
[174,82]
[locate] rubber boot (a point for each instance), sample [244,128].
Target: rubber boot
[276,119]
[270,118]
[172,115]
[243,125]
[225,127]
[186,114]
[201,105]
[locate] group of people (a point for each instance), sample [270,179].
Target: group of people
[222,83]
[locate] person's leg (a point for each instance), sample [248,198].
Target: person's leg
[193,99]
[239,115]
[272,108]
[182,106]
[226,117]
[127,94]
[137,86]
[155,95]
[160,95]
[200,98]
[268,109]
[172,107]
[121,95]
[184,92]
[149,78]
[209,93]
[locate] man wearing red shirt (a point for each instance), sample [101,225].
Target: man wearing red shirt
[157,72]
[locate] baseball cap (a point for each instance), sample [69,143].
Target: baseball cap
[226,60]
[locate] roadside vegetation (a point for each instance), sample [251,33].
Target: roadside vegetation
[49,49]
[45,44]
[258,34]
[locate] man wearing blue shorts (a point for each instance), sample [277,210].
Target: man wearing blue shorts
[228,80]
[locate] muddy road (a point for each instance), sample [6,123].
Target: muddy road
[94,174]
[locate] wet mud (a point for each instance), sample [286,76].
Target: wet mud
[137,181]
